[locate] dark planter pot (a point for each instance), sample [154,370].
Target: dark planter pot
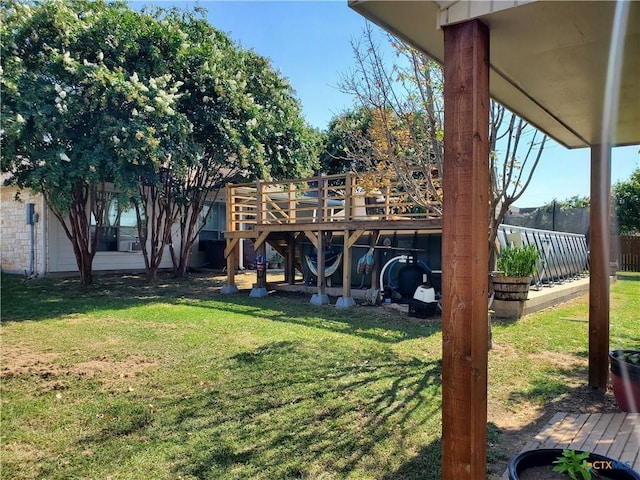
[625,377]
[539,458]
[510,288]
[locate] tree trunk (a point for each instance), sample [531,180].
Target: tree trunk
[76,225]
[86,272]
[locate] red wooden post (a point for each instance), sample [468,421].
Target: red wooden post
[599,248]
[464,251]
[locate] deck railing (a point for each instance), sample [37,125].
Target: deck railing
[325,198]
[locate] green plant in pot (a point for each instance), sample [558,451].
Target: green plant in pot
[625,376]
[574,464]
[516,267]
[276,261]
[557,463]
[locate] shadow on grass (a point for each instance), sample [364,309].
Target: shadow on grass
[426,465]
[285,412]
[51,298]
[365,322]
[632,276]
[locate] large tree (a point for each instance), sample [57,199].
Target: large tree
[346,143]
[88,98]
[405,99]
[626,196]
[246,121]
[157,105]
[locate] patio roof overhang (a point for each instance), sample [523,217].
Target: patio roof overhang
[548,59]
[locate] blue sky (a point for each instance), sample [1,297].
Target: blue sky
[310,43]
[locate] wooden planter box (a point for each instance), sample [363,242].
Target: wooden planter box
[511,288]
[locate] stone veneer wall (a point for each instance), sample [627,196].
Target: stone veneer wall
[15,238]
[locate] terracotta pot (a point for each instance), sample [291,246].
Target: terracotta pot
[537,458]
[625,377]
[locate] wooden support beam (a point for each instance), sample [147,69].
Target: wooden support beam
[346,261]
[350,239]
[321,284]
[375,271]
[464,251]
[429,225]
[599,248]
[229,253]
[261,239]
[313,238]
[290,269]
[231,245]
[261,276]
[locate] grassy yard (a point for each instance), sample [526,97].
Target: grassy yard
[129,381]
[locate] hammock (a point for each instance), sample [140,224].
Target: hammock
[330,268]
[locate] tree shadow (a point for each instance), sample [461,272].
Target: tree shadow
[364,322]
[57,298]
[426,465]
[283,421]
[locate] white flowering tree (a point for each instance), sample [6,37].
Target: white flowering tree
[75,118]
[246,124]
[158,104]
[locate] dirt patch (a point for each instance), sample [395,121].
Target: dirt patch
[20,361]
[560,359]
[106,366]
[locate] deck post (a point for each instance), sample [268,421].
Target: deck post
[290,261]
[320,298]
[464,251]
[375,271]
[230,286]
[599,248]
[346,301]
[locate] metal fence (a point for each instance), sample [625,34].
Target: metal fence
[563,256]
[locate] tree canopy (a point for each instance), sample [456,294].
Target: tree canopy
[97,94]
[626,196]
[404,135]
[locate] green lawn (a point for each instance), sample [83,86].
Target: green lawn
[128,381]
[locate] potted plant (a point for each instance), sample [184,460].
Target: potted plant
[560,464]
[625,376]
[516,267]
[276,261]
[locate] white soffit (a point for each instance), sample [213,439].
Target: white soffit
[460,11]
[548,58]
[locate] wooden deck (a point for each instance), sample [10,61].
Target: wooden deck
[616,435]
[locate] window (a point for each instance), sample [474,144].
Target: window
[119,231]
[214,225]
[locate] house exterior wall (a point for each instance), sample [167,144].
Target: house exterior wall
[53,252]
[62,258]
[15,242]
